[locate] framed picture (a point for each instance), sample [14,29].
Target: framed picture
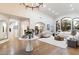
[48,26]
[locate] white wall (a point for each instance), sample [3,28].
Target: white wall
[37,16]
[34,15]
[73,15]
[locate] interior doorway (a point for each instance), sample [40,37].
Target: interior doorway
[16,27]
[3,29]
[39,27]
[13,28]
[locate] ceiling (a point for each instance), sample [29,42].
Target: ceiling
[51,9]
[60,9]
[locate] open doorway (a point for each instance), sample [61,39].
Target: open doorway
[39,27]
[16,27]
[3,29]
[13,28]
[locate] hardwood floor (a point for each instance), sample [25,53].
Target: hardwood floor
[17,47]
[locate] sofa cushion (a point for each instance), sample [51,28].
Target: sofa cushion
[45,34]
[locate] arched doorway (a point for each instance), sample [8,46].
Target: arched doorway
[39,27]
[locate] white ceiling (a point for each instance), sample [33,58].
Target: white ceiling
[51,9]
[60,9]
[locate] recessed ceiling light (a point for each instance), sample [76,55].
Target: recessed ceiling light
[53,11]
[49,9]
[72,9]
[70,5]
[56,13]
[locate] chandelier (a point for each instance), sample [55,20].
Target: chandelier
[32,5]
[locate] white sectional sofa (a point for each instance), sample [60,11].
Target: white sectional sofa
[62,44]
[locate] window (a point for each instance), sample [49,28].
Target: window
[76,23]
[66,24]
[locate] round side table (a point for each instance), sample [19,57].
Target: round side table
[29,46]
